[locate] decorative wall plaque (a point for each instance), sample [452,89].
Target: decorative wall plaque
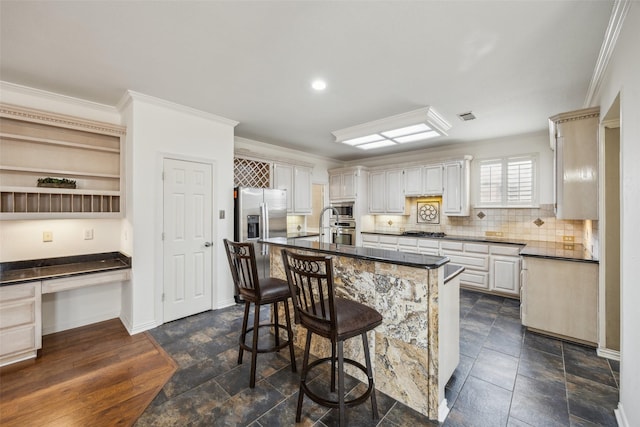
[428,212]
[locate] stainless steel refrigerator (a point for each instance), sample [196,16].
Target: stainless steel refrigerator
[259,213]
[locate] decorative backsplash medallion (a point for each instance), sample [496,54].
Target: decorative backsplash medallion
[428,213]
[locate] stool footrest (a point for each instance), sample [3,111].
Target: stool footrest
[282,345]
[335,403]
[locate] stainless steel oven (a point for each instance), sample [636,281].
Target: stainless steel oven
[344,232]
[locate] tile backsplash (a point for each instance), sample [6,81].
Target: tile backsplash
[510,223]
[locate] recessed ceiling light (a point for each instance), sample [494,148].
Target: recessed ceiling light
[364,139]
[319,85]
[408,130]
[416,137]
[377,144]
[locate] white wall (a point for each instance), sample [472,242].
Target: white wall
[21,240]
[531,143]
[623,76]
[156,128]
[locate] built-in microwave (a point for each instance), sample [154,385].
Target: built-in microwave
[345,210]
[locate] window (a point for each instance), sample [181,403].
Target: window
[508,181]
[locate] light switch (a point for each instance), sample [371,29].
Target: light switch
[47,236]
[88,234]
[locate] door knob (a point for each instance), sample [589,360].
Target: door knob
[208,244]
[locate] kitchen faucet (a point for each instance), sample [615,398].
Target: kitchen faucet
[322,215]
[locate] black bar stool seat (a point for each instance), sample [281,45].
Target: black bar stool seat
[337,319]
[242,261]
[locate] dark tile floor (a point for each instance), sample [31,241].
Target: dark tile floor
[506,377]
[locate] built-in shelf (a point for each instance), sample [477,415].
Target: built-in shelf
[36,144]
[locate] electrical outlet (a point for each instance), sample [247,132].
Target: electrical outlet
[568,247]
[493,233]
[47,236]
[567,238]
[88,234]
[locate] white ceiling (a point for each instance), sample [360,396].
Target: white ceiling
[513,63]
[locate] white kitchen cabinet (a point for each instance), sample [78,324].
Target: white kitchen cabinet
[561,298]
[423,180]
[20,322]
[575,139]
[386,192]
[377,200]
[455,197]
[370,241]
[394,187]
[296,180]
[343,185]
[505,274]
[408,244]
[388,242]
[428,246]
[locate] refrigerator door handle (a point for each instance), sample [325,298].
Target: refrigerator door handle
[264,215]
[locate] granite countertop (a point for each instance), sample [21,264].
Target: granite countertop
[393,257]
[532,248]
[302,234]
[15,272]
[500,240]
[451,271]
[560,251]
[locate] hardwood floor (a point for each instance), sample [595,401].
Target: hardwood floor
[96,375]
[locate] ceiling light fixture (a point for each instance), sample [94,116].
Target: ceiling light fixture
[319,85]
[416,125]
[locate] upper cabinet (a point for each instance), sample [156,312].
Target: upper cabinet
[423,180]
[455,198]
[386,192]
[574,135]
[296,180]
[343,185]
[82,159]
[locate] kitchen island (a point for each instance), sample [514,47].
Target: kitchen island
[416,349]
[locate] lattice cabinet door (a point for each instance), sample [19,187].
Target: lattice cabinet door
[251,173]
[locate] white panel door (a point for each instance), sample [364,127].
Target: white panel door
[188,250]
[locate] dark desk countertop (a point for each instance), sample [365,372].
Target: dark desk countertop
[16,272]
[392,257]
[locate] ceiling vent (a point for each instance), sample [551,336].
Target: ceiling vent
[465,117]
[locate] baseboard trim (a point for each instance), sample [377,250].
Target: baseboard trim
[621,417]
[443,410]
[225,303]
[136,329]
[608,354]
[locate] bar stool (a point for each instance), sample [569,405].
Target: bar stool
[337,319]
[242,261]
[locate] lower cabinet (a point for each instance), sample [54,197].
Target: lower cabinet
[489,267]
[561,298]
[20,322]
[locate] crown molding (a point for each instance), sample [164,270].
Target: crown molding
[618,13]
[60,120]
[130,96]
[52,96]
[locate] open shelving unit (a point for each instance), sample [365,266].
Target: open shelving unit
[36,144]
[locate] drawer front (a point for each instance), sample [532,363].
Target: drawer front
[474,262]
[66,283]
[17,340]
[428,251]
[404,241]
[370,238]
[18,292]
[390,240]
[427,243]
[477,248]
[513,250]
[22,313]
[452,246]
[476,279]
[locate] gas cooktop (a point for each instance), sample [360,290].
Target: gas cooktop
[416,233]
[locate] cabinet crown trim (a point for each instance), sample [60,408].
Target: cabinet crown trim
[28,114]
